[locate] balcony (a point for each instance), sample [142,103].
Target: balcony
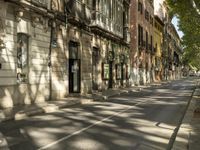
[34,4]
[100,20]
[41,3]
[78,12]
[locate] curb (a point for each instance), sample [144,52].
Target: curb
[100,97]
[53,107]
[97,97]
[182,139]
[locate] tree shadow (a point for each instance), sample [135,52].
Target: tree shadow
[126,123]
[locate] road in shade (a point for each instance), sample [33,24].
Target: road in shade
[139,120]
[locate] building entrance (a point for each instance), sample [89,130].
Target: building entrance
[74,68]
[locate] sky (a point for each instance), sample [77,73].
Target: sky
[175,22]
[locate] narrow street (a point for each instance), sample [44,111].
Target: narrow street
[138,120]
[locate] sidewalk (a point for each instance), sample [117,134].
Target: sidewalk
[104,95]
[188,135]
[24,111]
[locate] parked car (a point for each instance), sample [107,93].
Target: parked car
[192,73]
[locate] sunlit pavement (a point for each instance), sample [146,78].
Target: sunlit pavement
[143,120]
[188,134]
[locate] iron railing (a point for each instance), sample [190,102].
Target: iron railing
[107,23]
[79,11]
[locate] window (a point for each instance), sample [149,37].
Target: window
[156,47]
[119,71]
[140,7]
[151,20]
[127,72]
[146,15]
[140,35]
[139,42]
[126,16]
[22,56]
[105,71]
[147,40]
[151,42]
[73,50]
[95,56]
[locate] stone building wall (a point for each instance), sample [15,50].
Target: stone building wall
[36,87]
[134,42]
[59,69]
[141,57]
[48,73]
[60,61]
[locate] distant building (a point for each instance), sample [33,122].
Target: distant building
[171,49]
[157,65]
[142,14]
[175,54]
[161,10]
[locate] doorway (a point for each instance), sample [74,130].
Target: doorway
[74,68]
[110,81]
[95,72]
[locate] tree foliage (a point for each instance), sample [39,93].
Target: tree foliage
[188,12]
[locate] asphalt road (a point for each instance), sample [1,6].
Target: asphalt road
[138,120]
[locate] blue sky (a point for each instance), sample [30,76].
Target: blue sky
[175,22]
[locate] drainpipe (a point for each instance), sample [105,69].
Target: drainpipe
[50,65]
[49,59]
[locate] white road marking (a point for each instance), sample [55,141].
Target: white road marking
[88,127]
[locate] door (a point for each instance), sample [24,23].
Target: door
[122,73]
[74,75]
[110,81]
[74,68]
[95,62]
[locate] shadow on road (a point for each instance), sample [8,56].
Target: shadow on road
[137,120]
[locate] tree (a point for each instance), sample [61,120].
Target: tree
[188,12]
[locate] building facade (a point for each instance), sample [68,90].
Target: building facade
[110,29]
[161,10]
[175,54]
[157,65]
[24,72]
[96,47]
[53,49]
[171,48]
[142,14]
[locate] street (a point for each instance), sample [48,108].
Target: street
[143,119]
